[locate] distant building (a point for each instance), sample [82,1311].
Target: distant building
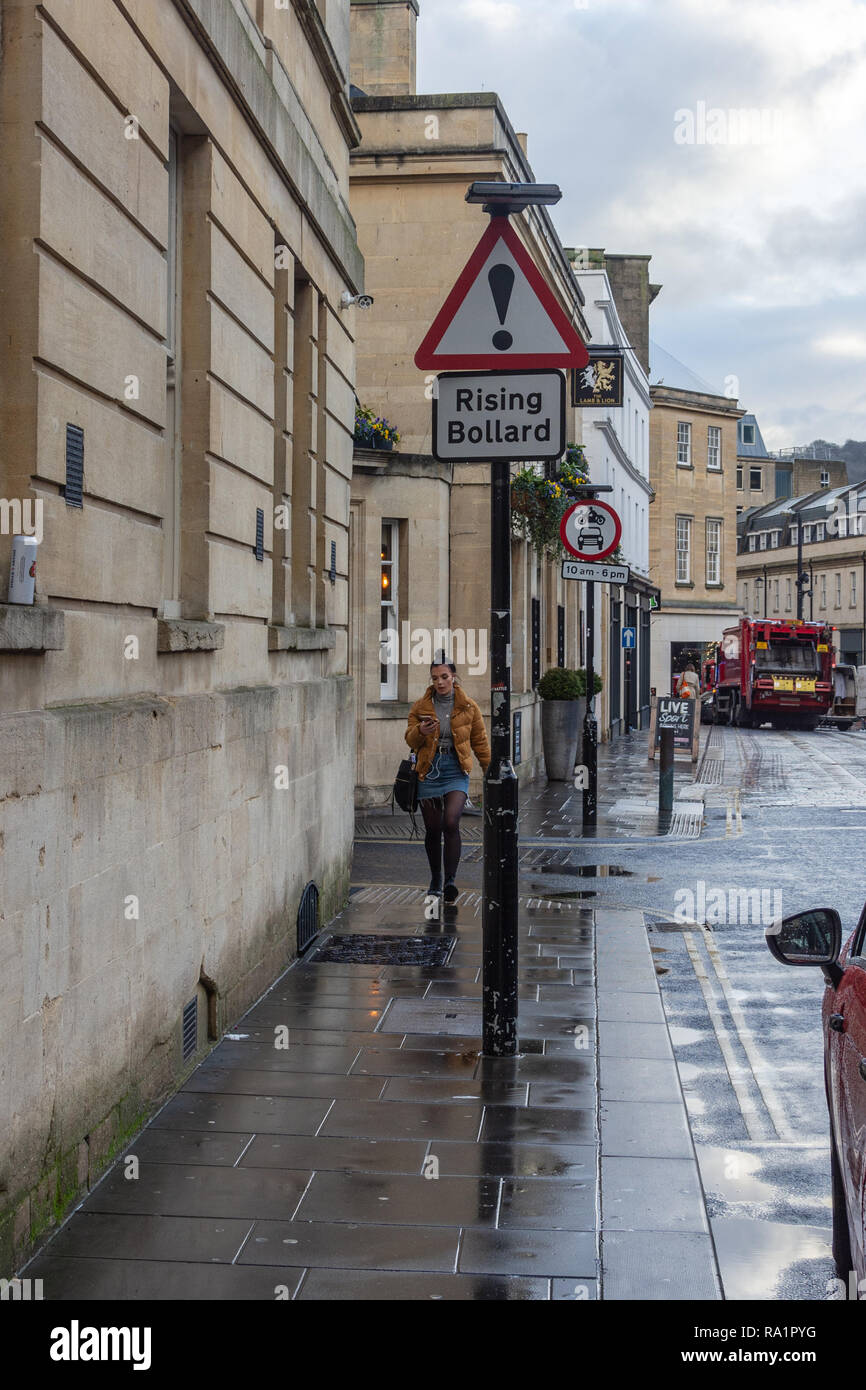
[693,548]
[420,540]
[833,522]
[763,476]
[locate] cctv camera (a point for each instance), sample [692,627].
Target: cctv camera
[363,301]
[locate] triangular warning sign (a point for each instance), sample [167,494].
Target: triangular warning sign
[501,315]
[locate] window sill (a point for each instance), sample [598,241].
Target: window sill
[301,639]
[684,584]
[188,635]
[27,627]
[690,467]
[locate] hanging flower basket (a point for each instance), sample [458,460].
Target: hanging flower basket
[373,431]
[539,504]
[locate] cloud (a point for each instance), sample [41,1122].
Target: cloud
[753,234]
[842,345]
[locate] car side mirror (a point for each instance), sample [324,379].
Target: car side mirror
[808,938]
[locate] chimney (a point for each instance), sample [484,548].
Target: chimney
[522,138]
[384,47]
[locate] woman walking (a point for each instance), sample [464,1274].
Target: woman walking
[445,729]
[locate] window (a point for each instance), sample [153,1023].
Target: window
[714,446]
[784,482]
[807,532]
[739,509]
[714,551]
[775,596]
[795,531]
[841,524]
[789,586]
[825,477]
[756,479]
[684,444]
[774,539]
[838,591]
[389,624]
[748,434]
[853,599]
[740,477]
[820,530]
[753,542]
[763,541]
[684,546]
[823,591]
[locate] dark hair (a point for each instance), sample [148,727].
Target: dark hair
[440,659]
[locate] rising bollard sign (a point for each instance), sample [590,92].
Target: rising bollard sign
[509,416]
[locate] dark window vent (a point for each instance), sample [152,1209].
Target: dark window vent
[260,534]
[190,1029]
[308,916]
[332,573]
[74,487]
[560,635]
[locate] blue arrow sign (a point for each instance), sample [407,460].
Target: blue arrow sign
[629,637]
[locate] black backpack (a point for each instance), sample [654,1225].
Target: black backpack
[406,786]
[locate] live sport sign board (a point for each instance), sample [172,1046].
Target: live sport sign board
[499,416]
[679,717]
[501,315]
[590,530]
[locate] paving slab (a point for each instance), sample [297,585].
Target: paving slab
[379,1156]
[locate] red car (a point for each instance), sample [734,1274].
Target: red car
[815,938]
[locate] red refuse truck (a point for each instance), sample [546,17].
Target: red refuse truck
[772,670]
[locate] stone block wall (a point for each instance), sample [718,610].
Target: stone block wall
[177,733]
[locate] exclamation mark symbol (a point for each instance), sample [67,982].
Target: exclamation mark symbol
[501,280]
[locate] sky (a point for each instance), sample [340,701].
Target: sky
[757,228]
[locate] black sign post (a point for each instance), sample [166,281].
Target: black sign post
[491,418]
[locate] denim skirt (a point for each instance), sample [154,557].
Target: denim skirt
[445,775]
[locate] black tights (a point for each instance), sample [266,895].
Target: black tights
[442,823]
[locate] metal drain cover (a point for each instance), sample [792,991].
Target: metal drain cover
[367,949]
[680,926]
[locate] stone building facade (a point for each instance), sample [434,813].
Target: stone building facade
[421,529]
[693,521]
[177,383]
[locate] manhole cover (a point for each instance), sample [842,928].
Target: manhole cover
[386,950]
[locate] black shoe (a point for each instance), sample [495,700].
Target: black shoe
[451,892]
[435,888]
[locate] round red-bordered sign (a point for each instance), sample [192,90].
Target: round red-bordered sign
[590,530]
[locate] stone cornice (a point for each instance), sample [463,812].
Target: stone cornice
[238,52]
[317,36]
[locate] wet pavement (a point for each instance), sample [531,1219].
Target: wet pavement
[348,1141]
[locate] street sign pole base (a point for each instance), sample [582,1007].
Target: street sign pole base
[499,916]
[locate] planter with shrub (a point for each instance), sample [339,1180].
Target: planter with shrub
[563,708]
